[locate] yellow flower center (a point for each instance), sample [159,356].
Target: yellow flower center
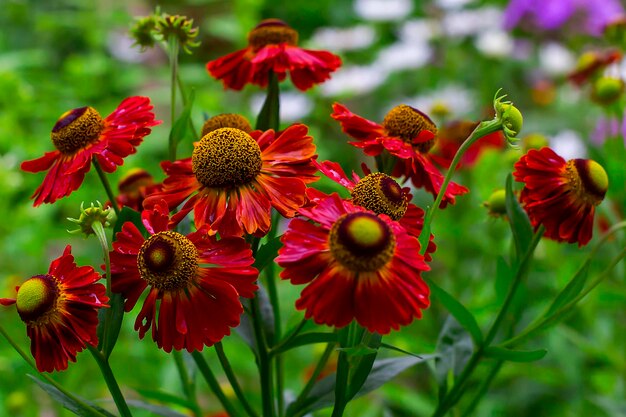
[407,123]
[226,120]
[362,242]
[226,157]
[588,180]
[76,129]
[168,261]
[272,32]
[36,298]
[381,194]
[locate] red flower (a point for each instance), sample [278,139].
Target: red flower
[134,187]
[358,265]
[235,178]
[187,305]
[407,134]
[60,310]
[452,136]
[561,195]
[80,135]
[379,193]
[272,46]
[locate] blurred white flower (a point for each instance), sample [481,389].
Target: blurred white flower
[383,10]
[471,22]
[459,100]
[568,144]
[403,55]
[495,42]
[344,39]
[419,30]
[354,80]
[555,59]
[293,105]
[120,44]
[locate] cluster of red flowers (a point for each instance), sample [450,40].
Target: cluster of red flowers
[359,257]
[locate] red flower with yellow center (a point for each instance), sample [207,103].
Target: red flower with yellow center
[81,135]
[358,266]
[561,195]
[193,282]
[60,310]
[379,193]
[406,133]
[273,46]
[235,178]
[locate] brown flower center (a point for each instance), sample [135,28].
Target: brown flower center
[226,157]
[37,299]
[226,120]
[407,123]
[588,180]
[272,32]
[168,261]
[381,194]
[76,129]
[362,242]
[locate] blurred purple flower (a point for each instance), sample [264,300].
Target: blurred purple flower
[608,128]
[589,16]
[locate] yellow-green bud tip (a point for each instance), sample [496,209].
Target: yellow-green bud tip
[496,204]
[91,215]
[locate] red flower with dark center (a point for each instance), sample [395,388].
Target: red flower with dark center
[561,195]
[60,310]
[193,282]
[272,46]
[408,135]
[379,193]
[452,136]
[357,266]
[134,187]
[81,135]
[235,178]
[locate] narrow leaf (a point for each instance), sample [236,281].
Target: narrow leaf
[571,290]
[269,115]
[496,352]
[363,367]
[518,221]
[267,253]
[164,397]
[154,409]
[113,326]
[307,339]
[459,312]
[180,129]
[454,348]
[69,403]
[397,349]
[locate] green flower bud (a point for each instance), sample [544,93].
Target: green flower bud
[510,117]
[496,204]
[91,215]
[179,28]
[607,90]
[534,141]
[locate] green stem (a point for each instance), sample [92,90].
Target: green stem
[93,412]
[111,382]
[292,335]
[453,396]
[98,230]
[482,390]
[232,378]
[187,383]
[263,361]
[278,363]
[483,129]
[209,377]
[270,112]
[107,186]
[173,56]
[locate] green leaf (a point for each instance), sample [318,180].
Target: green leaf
[571,290]
[246,328]
[458,311]
[269,115]
[154,409]
[518,221]
[454,348]
[113,326]
[304,339]
[267,253]
[362,367]
[397,349]
[501,353]
[164,397]
[69,403]
[504,276]
[180,129]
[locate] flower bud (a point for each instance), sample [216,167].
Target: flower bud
[92,215]
[496,204]
[607,90]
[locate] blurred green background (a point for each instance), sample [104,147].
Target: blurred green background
[61,54]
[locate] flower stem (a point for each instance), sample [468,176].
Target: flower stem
[174,48]
[111,382]
[483,129]
[98,230]
[232,378]
[270,112]
[92,411]
[187,383]
[209,377]
[107,186]
[263,361]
